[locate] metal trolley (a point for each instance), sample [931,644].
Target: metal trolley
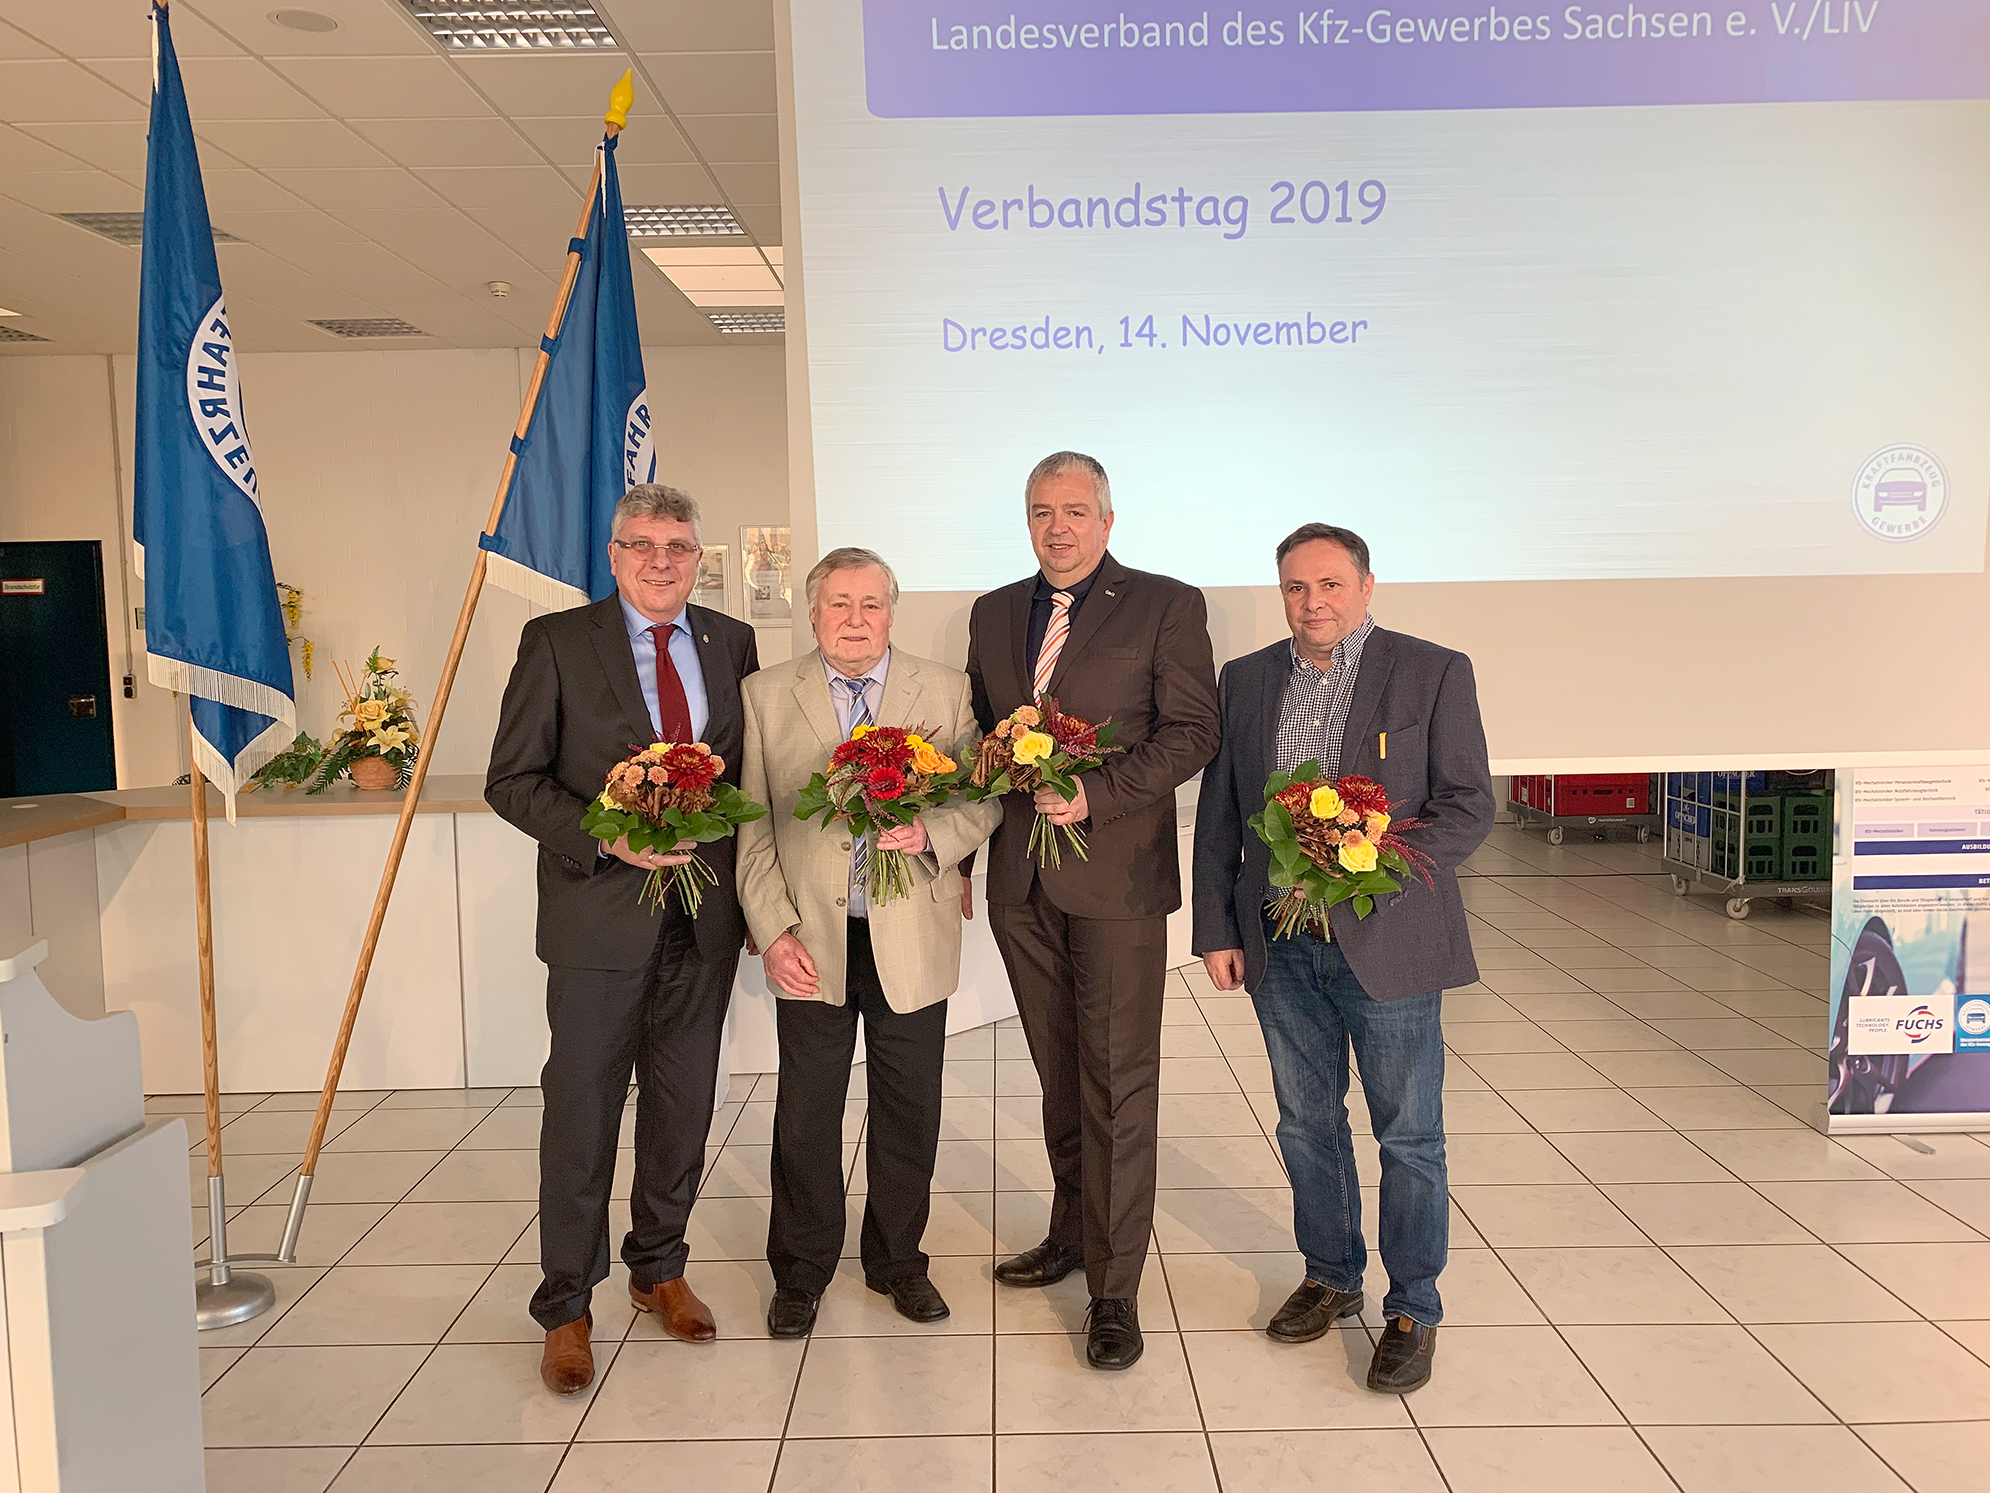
[1744,835]
[1528,815]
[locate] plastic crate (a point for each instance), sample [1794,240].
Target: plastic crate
[1762,858]
[1805,858]
[1806,816]
[1764,818]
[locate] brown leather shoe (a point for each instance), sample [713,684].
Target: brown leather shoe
[568,1366]
[678,1308]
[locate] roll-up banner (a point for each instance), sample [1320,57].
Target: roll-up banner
[1910,950]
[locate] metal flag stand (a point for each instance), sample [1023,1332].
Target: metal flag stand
[224,1295]
[619,100]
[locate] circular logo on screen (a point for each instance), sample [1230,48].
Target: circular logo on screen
[1972,1017]
[1901,492]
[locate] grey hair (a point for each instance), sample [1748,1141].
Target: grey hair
[654,500]
[1060,462]
[1347,539]
[847,558]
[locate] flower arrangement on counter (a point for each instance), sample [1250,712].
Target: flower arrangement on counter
[378,744]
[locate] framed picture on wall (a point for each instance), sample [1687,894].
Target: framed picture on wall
[764,560]
[710,590]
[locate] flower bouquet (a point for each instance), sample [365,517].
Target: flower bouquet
[882,778]
[665,797]
[1331,842]
[378,747]
[1039,746]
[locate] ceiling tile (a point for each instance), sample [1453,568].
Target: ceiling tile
[118,146]
[545,84]
[454,248]
[496,186]
[726,139]
[693,25]
[72,191]
[384,87]
[756,184]
[367,28]
[488,141]
[763,221]
[22,150]
[296,226]
[715,82]
[15,45]
[218,88]
[89,28]
[294,144]
[243,190]
[335,190]
[538,233]
[654,185]
[571,140]
[272,278]
[57,90]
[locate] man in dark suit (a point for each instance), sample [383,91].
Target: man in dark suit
[1356,699]
[628,989]
[1085,943]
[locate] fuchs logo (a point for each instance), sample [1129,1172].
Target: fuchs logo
[1919,1024]
[214,399]
[1901,492]
[638,444]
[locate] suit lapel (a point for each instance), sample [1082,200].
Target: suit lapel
[722,706]
[1378,657]
[901,694]
[1277,669]
[812,695]
[1019,639]
[618,662]
[1099,604]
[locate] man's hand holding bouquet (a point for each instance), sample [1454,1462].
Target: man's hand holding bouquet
[666,797]
[1039,749]
[1331,841]
[878,783]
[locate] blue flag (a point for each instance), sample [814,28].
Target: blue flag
[589,441]
[213,625]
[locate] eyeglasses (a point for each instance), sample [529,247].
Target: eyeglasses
[677,550]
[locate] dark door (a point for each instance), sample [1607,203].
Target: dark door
[55,670]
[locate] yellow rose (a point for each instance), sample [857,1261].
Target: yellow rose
[926,760]
[369,713]
[1032,747]
[1357,852]
[1377,826]
[1325,803]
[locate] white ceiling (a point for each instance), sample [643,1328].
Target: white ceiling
[368,172]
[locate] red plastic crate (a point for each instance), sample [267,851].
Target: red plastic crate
[1576,794]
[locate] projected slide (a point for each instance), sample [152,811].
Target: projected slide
[1521,292]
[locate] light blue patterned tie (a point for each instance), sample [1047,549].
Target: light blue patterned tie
[860,849]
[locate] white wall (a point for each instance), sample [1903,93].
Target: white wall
[377,473]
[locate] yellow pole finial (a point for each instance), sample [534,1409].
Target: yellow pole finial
[620,97]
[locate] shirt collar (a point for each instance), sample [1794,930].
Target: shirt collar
[875,675]
[1347,652]
[639,625]
[1045,590]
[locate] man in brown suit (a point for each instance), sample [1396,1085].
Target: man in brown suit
[1085,943]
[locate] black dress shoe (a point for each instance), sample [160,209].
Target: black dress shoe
[792,1312]
[1310,1311]
[1045,1265]
[1402,1361]
[914,1296]
[1112,1334]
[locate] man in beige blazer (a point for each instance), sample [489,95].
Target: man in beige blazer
[833,959]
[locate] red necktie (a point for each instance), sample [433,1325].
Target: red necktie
[673,711]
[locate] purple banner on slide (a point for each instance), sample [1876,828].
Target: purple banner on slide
[963,59]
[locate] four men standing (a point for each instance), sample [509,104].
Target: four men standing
[1084,942]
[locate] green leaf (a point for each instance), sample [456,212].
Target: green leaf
[1363,906]
[1276,784]
[1306,772]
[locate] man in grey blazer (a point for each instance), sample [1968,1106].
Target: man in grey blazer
[834,959]
[1358,699]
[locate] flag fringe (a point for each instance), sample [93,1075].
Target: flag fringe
[539,589]
[231,778]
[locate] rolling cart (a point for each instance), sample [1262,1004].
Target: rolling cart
[1746,835]
[1594,802]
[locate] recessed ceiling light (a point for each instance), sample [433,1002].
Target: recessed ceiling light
[15,334]
[466,26]
[749,321]
[127,228]
[369,326]
[731,276]
[303,20]
[678,220]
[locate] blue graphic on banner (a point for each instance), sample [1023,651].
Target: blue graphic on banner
[590,439]
[213,624]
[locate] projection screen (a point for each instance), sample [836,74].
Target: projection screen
[1648,346]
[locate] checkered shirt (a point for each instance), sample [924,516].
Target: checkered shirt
[1312,718]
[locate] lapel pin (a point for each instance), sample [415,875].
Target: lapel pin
[1109,593]
[704,637]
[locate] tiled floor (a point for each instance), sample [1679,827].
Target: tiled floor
[1660,1278]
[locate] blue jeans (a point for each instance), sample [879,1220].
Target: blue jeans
[1312,1007]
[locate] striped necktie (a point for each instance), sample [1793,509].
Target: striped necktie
[860,845]
[1053,643]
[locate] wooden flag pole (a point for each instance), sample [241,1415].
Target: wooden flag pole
[287,1253]
[224,1298]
